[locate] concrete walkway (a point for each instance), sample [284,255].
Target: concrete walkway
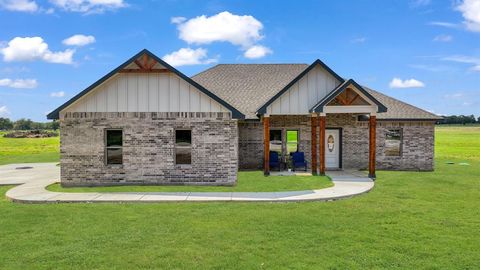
[32,182]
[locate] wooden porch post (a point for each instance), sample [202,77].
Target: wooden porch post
[266,144]
[372,145]
[321,123]
[314,143]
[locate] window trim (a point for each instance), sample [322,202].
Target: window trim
[183,147]
[111,147]
[400,154]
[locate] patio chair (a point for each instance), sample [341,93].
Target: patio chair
[274,160]
[299,160]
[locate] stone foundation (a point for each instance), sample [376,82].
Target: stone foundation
[148,149]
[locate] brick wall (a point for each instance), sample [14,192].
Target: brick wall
[148,149]
[417,148]
[251,138]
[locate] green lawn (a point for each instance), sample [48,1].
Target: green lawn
[410,220]
[457,142]
[247,181]
[24,150]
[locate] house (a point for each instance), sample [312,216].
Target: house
[147,123]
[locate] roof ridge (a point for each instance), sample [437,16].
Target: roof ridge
[203,71]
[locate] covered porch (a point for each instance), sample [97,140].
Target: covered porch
[335,138]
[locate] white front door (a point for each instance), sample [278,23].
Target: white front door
[332,148]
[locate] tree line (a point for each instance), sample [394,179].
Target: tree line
[459,119]
[26,124]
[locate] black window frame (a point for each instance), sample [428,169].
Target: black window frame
[400,150]
[107,163]
[183,147]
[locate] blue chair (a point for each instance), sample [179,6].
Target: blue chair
[299,160]
[274,160]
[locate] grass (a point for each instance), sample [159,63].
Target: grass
[27,150]
[247,181]
[410,220]
[457,142]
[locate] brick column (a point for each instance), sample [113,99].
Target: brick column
[321,123]
[314,143]
[266,145]
[372,146]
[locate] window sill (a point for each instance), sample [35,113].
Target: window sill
[183,166]
[114,166]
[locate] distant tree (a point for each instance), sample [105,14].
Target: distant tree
[5,124]
[478,120]
[23,124]
[459,119]
[471,119]
[38,125]
[54,125]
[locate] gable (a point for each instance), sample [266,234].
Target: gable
[349,97]
[147,92]
[303,94]
[145,83]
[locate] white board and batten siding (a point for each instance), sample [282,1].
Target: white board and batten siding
[149,92]
[305,93]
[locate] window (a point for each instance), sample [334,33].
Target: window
[292,141]
[276,141]
[114,145]
[393,142]
[183,147]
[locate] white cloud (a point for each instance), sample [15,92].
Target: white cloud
[443,38]
[465,60]
[4,111]
[19,5]
[410,83]
[34,48]
[445,24]
[57,94]
[257,51]
[19,83]
[89,6]
[177,20]
[417,3]
[470,10]
[79,40]
[454,95]
[188,56]
[359,40]
[224,27]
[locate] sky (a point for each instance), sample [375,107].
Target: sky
[423,52]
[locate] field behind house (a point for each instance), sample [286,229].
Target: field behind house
[26,150]
[410,220]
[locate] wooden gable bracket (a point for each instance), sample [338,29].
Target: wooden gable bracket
[145,66]
[345,99]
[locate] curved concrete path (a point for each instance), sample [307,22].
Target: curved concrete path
[32,182]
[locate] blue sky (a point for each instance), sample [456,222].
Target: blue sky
[426,53]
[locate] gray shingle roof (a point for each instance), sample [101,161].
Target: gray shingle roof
[249,86]
[397,109]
